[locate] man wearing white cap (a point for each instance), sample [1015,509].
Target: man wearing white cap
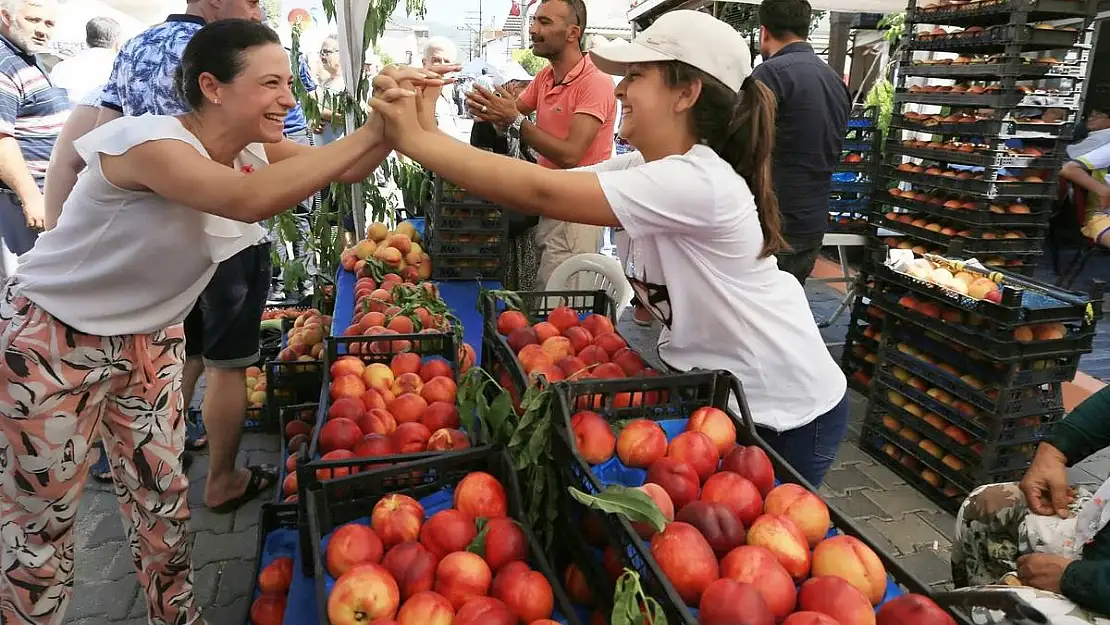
[697,201]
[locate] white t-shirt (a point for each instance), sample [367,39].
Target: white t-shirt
[130,262]
[695,249]
[84,72]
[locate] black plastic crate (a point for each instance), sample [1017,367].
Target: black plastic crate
[575,548]
[999,99]
[1002,128]
[980,159]
[1015,66]
[292,382]
[979,216]
[306,412]
[983,13]
[971,245]
[273,518]
[875,443]
[997,39]
[682,393]
[536,306]
[352,498]
[987,186]
[993,344]
[446,193]
[467,267]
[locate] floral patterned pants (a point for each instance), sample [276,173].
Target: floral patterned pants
[57,388]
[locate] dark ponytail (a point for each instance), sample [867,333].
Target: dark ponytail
[740,128]
[217,49]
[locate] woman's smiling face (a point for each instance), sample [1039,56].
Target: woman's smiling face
[646,102]
[261,95]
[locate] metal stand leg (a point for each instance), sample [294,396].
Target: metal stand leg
[849,294]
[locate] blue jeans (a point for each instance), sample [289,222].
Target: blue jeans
[811,448]
[13,225]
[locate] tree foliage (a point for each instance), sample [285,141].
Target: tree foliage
[529,61]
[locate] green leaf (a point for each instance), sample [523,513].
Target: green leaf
[631,503]
[478,545]
[631,606]
[500,416]
[538,448]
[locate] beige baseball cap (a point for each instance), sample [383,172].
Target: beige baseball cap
[692,37]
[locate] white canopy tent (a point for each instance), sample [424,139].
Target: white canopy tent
[653,8]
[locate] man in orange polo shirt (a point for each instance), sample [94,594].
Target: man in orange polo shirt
[575,110]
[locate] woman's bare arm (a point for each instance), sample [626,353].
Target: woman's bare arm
[65,162]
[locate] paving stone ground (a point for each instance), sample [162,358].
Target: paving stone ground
[913,529]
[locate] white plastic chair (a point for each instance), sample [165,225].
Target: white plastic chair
[586,272]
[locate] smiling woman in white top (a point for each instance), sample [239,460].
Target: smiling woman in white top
[90,324]
[697,202]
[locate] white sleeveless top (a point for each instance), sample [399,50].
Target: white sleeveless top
[130,262]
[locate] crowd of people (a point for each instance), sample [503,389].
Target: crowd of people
[138,198]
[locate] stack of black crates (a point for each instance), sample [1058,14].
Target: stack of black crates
[467,236]
[988,95]
[853,179]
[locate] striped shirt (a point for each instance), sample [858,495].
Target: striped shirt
[32,109]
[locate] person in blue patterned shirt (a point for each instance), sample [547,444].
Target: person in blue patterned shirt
[222,332]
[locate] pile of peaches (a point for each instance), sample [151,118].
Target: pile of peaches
[735,545]
[409,567]
[952,202]
[378,409]
[378,310]
[921,249]
[566,348]
[398,250]
[933,170]
[306,339]
[918,221]
[953,145]
[951,314]
[273,584]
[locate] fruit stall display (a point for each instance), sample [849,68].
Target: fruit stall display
[988,93]
[850,201]
[966,368]
[277,546]
[733,534]
[433,541]
[295,376]
[386,251]
[468,235]
[554,335]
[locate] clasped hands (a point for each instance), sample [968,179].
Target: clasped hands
[404,99]
[1047,493]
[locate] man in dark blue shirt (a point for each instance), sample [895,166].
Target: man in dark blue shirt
[813,107]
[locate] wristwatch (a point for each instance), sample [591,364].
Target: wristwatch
[514,128]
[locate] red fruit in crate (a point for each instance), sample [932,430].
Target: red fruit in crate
[729,602]
[593,355]
[332,473]
[405,363]
[598,324]
[366,593]
[716,425]
[436,367]
[664,503]
[759,567]
[289,485]
[347,386]
[781,536]
[805,509]
[579,337]
[613,564]
[572,367]
[629,361]
[296,428]
[752,463]
[407,383]
[485,611]
[608,371]
[377,422]
[611,343]
[372,446]
[410,438]
[479,494]
[593,438]
[735,492]
[277,576]
[837,598]
[467,358]
[447,531]
[521,337]
[721,526]
[439,415]
[697,450]
[678,478]
[339,434]
[372,399]
[351,545]
[527,593]
[814,618]
[397,519]
[408,408]
[641,443]
[462,576]
[592,530]
[346,365]
[912,608]
[413,566]
[291,462]
[439,389]
[511,320]
[426,608]
[545,330]
[563,318]
[268,610]
[686,559]
[446,439]
[505,543]
[505,573]
[346,408]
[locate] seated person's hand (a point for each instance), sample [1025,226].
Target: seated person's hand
[1042,570]
[1045,484]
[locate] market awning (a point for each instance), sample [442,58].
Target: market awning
[654,8]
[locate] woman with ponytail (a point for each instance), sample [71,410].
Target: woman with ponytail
[697,201]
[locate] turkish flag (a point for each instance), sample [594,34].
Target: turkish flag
[515,11]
